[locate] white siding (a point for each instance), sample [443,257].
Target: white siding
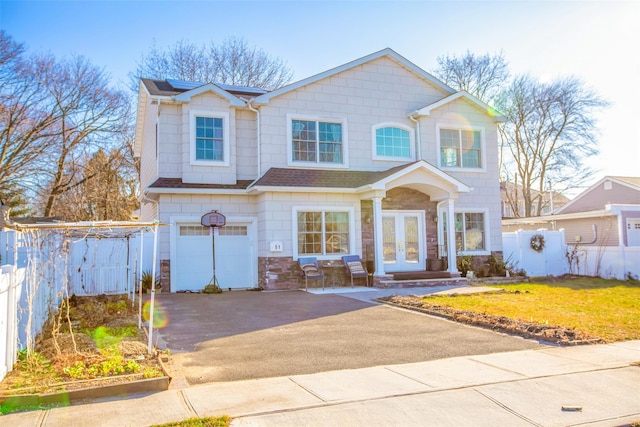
[275,212]
[375,92]
[196,205]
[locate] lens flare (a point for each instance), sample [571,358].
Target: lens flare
[160,316]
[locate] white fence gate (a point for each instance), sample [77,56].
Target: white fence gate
[550,261]
[614,262]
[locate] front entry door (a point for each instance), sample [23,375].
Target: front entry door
[403,241]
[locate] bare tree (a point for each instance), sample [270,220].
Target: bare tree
[231,62]
[26,122]
[483,76]
[549,131]
[89,115]
[104,189]
[51,114]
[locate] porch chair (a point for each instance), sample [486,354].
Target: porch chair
[310,270]
[355,268]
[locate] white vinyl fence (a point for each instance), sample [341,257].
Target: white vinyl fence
[39,269]
[557,258]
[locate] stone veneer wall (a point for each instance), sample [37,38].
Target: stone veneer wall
[284,273]
[408,199]
[165,275]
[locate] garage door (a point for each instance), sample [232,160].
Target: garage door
[194,261]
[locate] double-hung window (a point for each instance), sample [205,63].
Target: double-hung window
[460,148]
[323,232]
[209,138]
[393,143]
[317,141]
[470,232]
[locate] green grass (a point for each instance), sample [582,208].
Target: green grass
[222,421]
[608,309]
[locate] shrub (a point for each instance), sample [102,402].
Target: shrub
[147,281]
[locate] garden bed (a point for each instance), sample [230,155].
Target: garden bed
[103,354]
[543,332]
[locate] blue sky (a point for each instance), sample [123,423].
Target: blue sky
[594,40]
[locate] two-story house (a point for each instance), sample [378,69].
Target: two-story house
[374,157]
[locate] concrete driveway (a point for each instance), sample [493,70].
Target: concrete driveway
[243,335]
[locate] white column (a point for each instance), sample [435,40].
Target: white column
[451,238]
[377,235]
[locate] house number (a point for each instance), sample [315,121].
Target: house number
[275,246]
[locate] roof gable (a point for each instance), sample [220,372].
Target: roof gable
[426,110]
[263,99]
[618,190]
[209,87]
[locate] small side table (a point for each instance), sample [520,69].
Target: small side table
[332,271]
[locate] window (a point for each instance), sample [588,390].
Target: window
[460,148]
[233,230]
[209,142]
[323,232]
[194,230]
[315,141]
[209,138]
[393,142]
[469,230]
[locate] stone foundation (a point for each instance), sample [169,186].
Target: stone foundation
[165,275]
[281,273]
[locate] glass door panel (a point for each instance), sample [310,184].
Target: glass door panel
[411,240]
[389,239]
[403,241]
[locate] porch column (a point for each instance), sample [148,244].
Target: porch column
[377,235]
[451,238]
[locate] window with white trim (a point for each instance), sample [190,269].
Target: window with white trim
[323,232]
[460,148]
[470,231]
[317,142]
[193,230]
[392,142]
[209,138]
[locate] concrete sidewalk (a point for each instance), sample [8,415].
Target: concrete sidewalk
[555,386]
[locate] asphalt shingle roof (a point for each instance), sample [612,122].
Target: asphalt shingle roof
[322,178]
[177,183]
[286,177]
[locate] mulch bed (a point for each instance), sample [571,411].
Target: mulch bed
[543,332]
[86,312]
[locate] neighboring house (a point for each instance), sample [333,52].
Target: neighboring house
[513,200]
[605,214]
[374,158]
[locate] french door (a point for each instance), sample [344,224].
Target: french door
[403,241]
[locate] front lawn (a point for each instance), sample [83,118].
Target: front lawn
[607,309]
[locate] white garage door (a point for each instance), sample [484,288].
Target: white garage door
[194,261]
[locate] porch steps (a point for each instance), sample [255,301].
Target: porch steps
[419,275]
[420,283]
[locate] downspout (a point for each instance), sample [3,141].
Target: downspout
[255,110]
[157,138]
[418,144]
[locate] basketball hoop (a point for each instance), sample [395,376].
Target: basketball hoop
[213,219]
